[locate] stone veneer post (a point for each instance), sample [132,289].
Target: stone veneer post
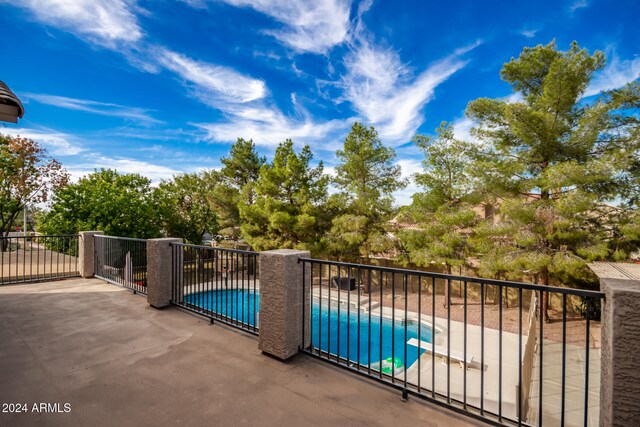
[620,354]
[281,302]
[87,253]
[159,271]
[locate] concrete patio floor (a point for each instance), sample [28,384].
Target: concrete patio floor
[117,361]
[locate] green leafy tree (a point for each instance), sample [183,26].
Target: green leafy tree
[235,187]
[553,161]
[118,204]
[289,197]
[444,210]
[366,177]
[183,205]
[27,177]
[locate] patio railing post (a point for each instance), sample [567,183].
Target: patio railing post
[159,271]
[86,253]
[281,288]
[620,355]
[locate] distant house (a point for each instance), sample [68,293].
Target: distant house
[11,108]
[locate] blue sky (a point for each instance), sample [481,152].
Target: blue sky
[162,87]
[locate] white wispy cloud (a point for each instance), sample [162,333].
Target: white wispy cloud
[268,126]
[408,167]
[462,129]
[152,171]
[152,134]
[109,23]
[309,26]
[616,74]
[213,84]
[529,32]
[384,91]
[96,107]
[578,4]
[56,143]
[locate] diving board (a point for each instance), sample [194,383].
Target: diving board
[441,351]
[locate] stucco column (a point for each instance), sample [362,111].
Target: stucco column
[620,356]
[87,253]
[159,271]
[281,291]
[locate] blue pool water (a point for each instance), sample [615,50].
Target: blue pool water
[237,304]
[387,338]
[333,330]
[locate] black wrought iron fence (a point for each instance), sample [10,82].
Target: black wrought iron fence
[34,258]
[477,346]
[221,284]
[122,261]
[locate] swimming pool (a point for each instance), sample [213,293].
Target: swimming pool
[380,339]
[333,330]
[237,304]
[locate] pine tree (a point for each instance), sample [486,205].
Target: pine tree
[553,161]
[235,187]
[366,177]
[444,210]
[289,195]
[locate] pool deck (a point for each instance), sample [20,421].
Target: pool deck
[119,362]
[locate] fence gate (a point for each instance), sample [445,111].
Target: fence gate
[122,261]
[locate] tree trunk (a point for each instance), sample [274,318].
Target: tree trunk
[366,284]
[544,303]
[447,284]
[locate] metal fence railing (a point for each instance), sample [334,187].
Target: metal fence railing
[459,341]
[221,284]
[122,261]
[34,258]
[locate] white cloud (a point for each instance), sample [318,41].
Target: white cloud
[56,143]
[213,84]
[269,126]
[408,167]
[123,165]
[578,4]
[310,26]
[108,23]
[154,134]
[530,32]
[384,92]
[102,108]
[615,75]
[462,129]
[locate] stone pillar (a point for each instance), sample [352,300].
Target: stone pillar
[281,302]
[159,271]
[620,355]
[87,253]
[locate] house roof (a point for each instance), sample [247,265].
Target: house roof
[10,106]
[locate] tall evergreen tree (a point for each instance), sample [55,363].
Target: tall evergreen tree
[289,197]
[553,161]
[366,176]
[235,187]
[444,210]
